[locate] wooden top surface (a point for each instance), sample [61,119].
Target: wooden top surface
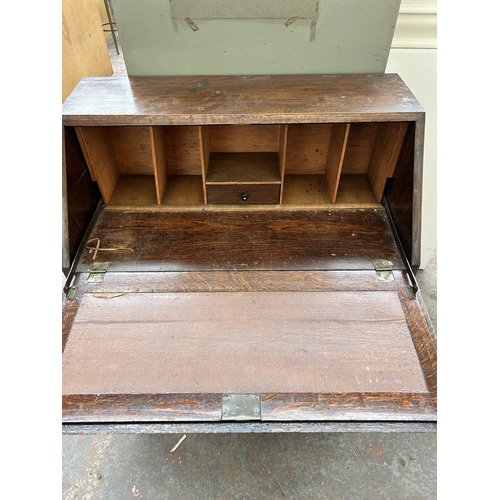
[240,100]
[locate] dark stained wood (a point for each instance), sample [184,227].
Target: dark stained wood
[295,240]
[424,339]
[353,406]
[80,196]
[403,192]
[141,407]
[240,99]
[245,427]
[281,300]
[244,194]
[384,406]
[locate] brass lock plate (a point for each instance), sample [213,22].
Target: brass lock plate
[241,407]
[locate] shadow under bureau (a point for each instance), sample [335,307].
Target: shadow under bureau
[241,256]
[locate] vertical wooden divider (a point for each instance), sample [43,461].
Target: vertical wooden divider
[204,157]
[283,140]
[335,159]
[100,157]
[159,154]
[385,155]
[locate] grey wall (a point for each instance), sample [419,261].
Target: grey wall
[195,37]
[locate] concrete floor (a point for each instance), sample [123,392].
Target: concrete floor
[360,466]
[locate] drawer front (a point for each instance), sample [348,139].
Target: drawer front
[244,194]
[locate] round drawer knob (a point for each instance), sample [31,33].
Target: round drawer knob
[244,197]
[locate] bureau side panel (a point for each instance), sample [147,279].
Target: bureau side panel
[80,197]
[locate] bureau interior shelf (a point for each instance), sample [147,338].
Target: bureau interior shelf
[291,166]
[243,168]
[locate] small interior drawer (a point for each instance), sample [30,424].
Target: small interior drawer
[245,194]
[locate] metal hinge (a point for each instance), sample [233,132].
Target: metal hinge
[383,269]
[71,292]
[97,272]
[241,407]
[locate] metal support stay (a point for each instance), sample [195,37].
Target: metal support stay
[413,289]
[68,289]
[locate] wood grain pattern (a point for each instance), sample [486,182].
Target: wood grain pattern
[159,159]
[265,342]
[182,191]
[223,281]
[359,147]
[311,191]
[307,148]
[183,150]
[204,156]
[241,281]
[133,149]
[283,146]
[134,191]
[385,155]
[244,194]
[240,99]
[336,152]
[98,152]
[84,50]
[244,139]
[245,427]
[266,240]
[383,406]
[244,168]
[141,407]
[280,300]
[355,408]
[403,192]
[80,196]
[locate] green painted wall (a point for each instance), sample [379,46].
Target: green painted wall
[237,37]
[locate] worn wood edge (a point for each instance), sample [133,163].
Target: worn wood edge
[348,406]
[284,407]
[233,119]
[220,281]
[70,307]
[296,207]
[423,337]
[136,88]
[89,408]
[240,281]
[417,191]
[66,257]
[248,427]
[223,281]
